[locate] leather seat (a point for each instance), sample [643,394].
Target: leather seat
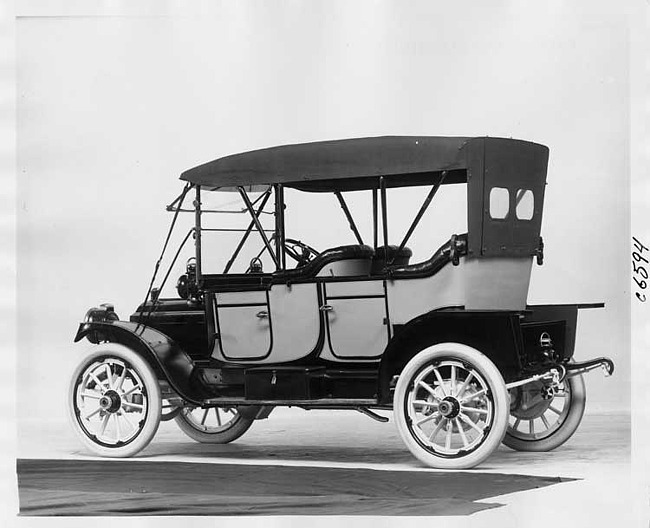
[314,266]
[389,256]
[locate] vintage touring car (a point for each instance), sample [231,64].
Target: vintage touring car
[448,344]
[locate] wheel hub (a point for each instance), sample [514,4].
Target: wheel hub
[548,392]
[449,407]
[110,401]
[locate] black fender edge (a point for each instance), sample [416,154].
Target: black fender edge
[495,334]
[168,359]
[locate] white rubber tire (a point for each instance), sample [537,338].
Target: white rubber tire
[576,409]
[497,393]
[146,428]
[239,426]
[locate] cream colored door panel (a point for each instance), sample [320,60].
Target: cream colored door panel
[243,323]
[296,321]
[356,320]
[356,328]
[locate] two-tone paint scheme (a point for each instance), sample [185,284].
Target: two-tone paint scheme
[339,329]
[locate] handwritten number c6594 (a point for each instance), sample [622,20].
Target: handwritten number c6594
[637,256]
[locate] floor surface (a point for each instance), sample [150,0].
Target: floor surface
[328,463]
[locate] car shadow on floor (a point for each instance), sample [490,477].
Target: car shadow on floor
[133,487]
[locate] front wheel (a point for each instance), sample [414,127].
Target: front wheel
[544,417]
[214,425]
[114,401]
[451,406]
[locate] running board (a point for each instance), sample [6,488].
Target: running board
[324,402]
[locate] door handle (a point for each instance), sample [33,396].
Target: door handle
[262,314]
[326,308]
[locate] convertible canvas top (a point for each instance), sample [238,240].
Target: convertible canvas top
[354,164]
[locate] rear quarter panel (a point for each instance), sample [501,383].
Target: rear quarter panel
[475,284]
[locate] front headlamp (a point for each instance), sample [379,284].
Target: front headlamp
[104,313]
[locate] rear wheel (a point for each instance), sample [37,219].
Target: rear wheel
[214,425]
[451,406]
[114,401]
[544,417]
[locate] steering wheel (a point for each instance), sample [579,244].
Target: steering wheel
[299,251]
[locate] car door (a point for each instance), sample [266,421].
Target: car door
[297,324]
[357,323]
[276,325]
[243,325]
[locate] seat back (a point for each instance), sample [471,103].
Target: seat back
[352,260]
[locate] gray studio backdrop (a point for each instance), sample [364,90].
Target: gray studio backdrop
[112,108]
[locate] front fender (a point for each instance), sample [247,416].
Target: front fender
[167,358]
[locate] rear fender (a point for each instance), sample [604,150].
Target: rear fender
[559,321]
[169,361]
[495,334]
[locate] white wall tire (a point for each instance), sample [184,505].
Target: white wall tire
[114,402]
[214,425]
[451,406]
[545,425]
